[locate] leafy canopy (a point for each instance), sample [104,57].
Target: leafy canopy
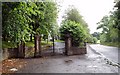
[74,24]
[20,19]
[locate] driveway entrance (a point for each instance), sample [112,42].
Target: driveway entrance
[59,49]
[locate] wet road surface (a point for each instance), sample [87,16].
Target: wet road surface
[109,52]
[88,63]
[59,47]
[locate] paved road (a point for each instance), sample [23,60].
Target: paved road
[109,52]
[59,47]
[59,44]
[88,63]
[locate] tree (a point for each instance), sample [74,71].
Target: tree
[15,23]
[74,24]
[96,34]
[46,24]
[95,40]
[73,15]
[117,25]
[20,19]
[74,29]
[104,24]
[109,28]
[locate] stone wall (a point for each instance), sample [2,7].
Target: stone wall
[78,51]
[9,53]
[13,53]
[69,50]
[29,52]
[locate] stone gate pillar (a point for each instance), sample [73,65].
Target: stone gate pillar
[68,44]
[21,50]
[37,46]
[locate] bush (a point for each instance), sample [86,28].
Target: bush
[75,30]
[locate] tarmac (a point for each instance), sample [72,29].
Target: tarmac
[91,62]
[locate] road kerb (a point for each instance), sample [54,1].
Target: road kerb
[110,62]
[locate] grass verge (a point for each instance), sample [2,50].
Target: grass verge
[114,44]
[59,41]
[8,44]
[28,44]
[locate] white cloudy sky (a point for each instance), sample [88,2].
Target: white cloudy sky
[91,10]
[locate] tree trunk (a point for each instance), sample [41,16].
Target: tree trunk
[53,46]
[3,36]
[37,41]
[31,37]
[47,40]
[21,50]
[40,46]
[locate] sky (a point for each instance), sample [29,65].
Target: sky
[91,10]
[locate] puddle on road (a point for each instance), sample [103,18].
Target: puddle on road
[94,56]
[92,66]
[13,69]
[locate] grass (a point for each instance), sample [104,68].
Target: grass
[8,44]
[46,43]
[98,41]
[59,41]
[114,44]
[28,44]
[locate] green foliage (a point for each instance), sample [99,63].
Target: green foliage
[96,34]
[95,40]
[8,44]
[98,41]
[116,17]
[74,29]
[59,41]
[15,26]
[110,28]
[114,44]
[74,24]
[20,19]
[48,23]
[29,44]
[73,15]
[46,43]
